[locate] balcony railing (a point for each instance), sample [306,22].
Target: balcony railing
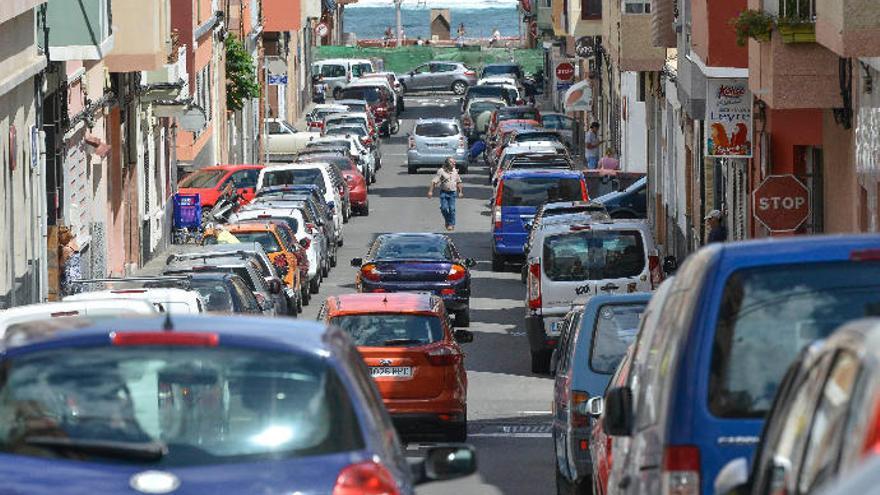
[792,11]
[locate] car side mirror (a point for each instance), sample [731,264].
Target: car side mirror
[357,262]
[463,336]
[470,262]
[445,463]
[733,477]
[618,412]
[594,406]
[670,265]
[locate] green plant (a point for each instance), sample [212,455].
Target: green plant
[754,24]
[241,76]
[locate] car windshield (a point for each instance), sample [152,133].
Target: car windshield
[526,137]
[436,129]
[203,179]
[594,255]
[346,120]
[478,108]
[499,70]
[413,248]
[330,70]
[215,294]
[391,329]
[342,131]
[519,114]
[533,191]
[602,184]
[769,314]
[486,90]
[294,176]
[368,93]
[266,239]
[174,406]
[616,328]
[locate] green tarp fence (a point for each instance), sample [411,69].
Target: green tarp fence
[404,59]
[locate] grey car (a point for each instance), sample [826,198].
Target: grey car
[561,123]
[432,141]
[454,76]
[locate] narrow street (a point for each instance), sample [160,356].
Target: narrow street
[508,406]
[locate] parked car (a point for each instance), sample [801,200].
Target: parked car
[93,308]
[201,405]
[438,76]
[381,102]
[714,369]
[337,72]
[631,202]
[414,357]
[315,118]
[363,118]
[604,182]
[503,69]
[561,123]
[517,112]
[418,262]
[176,301]
[307,173]
[517,196]
[245,268]
[395,97]
[366,159]
[210,182]
[223,292]
[591,344]
[434,140]
[358,193]
[489,91]
[284,139]
[476,116]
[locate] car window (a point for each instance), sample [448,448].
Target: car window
[594,255]
[414,248]
[569,331]
[204,405]
[332,70]
[423,69]
[215,294]
[614,331]
[801,303]
[286,241]
[533,191]
[437,129]
[390,330]
[266,239]
[245,179]
[823,446]
[442,68]
[294,176]
[357,70]
[246,297]
[203,179]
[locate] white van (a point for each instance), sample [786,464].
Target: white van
[570,262]
[307,173]
[174,301]
[9,318]
[338,72]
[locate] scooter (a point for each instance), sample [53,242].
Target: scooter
[227,204]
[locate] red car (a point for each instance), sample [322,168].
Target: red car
[357,184]
[209,182]
[600,442]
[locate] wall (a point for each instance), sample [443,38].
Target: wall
[841,205]
[140,29]
[712,36]
[634,150]
[790,128]
[281,15]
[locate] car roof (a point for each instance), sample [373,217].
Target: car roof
[154,294]
[404,302]
[68,309]
[795,249]
[230,167]
[433,120]
[251,226]
[283,334]
[527,173]
[561,205]
[502,64]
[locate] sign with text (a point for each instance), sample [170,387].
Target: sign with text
[564,71]
[781,203]
[728,119]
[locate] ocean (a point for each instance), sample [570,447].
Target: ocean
[369,18]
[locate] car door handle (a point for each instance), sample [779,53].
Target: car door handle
[609,287]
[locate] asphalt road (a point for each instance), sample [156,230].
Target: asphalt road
[508,406]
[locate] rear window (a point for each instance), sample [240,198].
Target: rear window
[408,248]
[600,185]
[215,294]
[391,330]
[369,94]
[615,330]
[265,238]
[174,406]
[358,70]
[342,131]
[537,136]
[203,179]
[518,114]
[437,129]
[769,314]
[496,91]
[500,70]
[594,255]
[534,191]
[297,176]
[330,70]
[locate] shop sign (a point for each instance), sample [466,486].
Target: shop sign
[579,97]
[728,131]
[781,203]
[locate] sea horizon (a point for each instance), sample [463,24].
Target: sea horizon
[371,21]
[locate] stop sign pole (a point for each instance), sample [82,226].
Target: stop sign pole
[781,203]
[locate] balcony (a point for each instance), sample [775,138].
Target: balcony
[10,9]
[849,28]
[796,19]
[143,39]
[628,28]
[169,82]
[78,30]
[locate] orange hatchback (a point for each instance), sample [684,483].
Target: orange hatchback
[278,244]
[413,354]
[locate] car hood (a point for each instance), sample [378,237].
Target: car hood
[37,476]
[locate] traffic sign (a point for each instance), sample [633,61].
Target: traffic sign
[564,71]
[781,203]
[322,29]
[279,80]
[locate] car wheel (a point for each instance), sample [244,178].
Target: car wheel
[497,262]
[315,285]
[541,361]
[403,88]
[306,295]
[340,244]
[463,318]
[395,127]
[411,169]
[459,87]
[299,303]
[333,261]
[365,209]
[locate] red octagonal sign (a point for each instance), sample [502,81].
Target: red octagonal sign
[781,203]
[564,71]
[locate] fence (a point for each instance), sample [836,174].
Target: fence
[406,58]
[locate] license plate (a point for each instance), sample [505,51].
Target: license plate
[392,371]
[440,145]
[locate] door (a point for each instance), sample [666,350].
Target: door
[443,75]
[420,78]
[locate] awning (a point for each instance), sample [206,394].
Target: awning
[579,97]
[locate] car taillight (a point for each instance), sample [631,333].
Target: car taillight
[656,273]
[681,470]
[456,272]
[412,143]
[172,338]
[366,141]
[365,478]
[534,286]
[578,420]
[584,195]
[462,142]
[443,355]
[865,255]
[496,212]
[371,272]
[496,217]
[470,73]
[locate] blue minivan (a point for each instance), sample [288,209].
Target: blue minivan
[517,197]
[735,317]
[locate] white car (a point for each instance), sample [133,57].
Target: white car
[174,301]
[283,138]
[307,173]
[337,72]
[315,118]
[498,81]
[100,308]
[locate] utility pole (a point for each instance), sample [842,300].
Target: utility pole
[399,22]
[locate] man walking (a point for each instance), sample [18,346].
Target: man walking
[717,231]
[591,144]
[449,182]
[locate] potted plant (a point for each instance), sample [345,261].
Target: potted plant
[754,24]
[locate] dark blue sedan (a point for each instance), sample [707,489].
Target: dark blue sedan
[418,263]
[196,405]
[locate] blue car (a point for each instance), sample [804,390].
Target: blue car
[706,369]
[517,197]
[631,202]
[418,263]
[196,405]
[592,343]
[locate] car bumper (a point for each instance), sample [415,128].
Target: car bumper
[421,418]
[539,333]
[458,300]
[417,158]
[510,244]
[357,196]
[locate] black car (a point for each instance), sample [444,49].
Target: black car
[418,263]
[222,292]
[631,202]
[246,269]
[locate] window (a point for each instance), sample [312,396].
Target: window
[413,248]
[594,255]
[538,190]
[245,179]
[203,179]
[437,129]
[332,70]
[264,237]
[248,301]
[423,69]
[216,295]
[591,9]
[442,68]
[296,176]
[616,328]
[390,330]
[636,6]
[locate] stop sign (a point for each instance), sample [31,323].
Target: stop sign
[781,203]
[564,71]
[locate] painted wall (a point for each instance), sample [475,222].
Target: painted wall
[141,29]
[848,27]
[281,15]
[790,128]
[712,36]
[841,188]
[790,76]
[634,153]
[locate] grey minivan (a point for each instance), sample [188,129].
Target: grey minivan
[432,141]
[453,76]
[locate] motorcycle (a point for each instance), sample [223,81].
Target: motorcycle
[227,204]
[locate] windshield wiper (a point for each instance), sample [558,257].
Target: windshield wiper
[393,342]
[138,451]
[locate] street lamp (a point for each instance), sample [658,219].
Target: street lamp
[397,4]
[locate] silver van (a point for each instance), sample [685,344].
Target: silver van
[336,73]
